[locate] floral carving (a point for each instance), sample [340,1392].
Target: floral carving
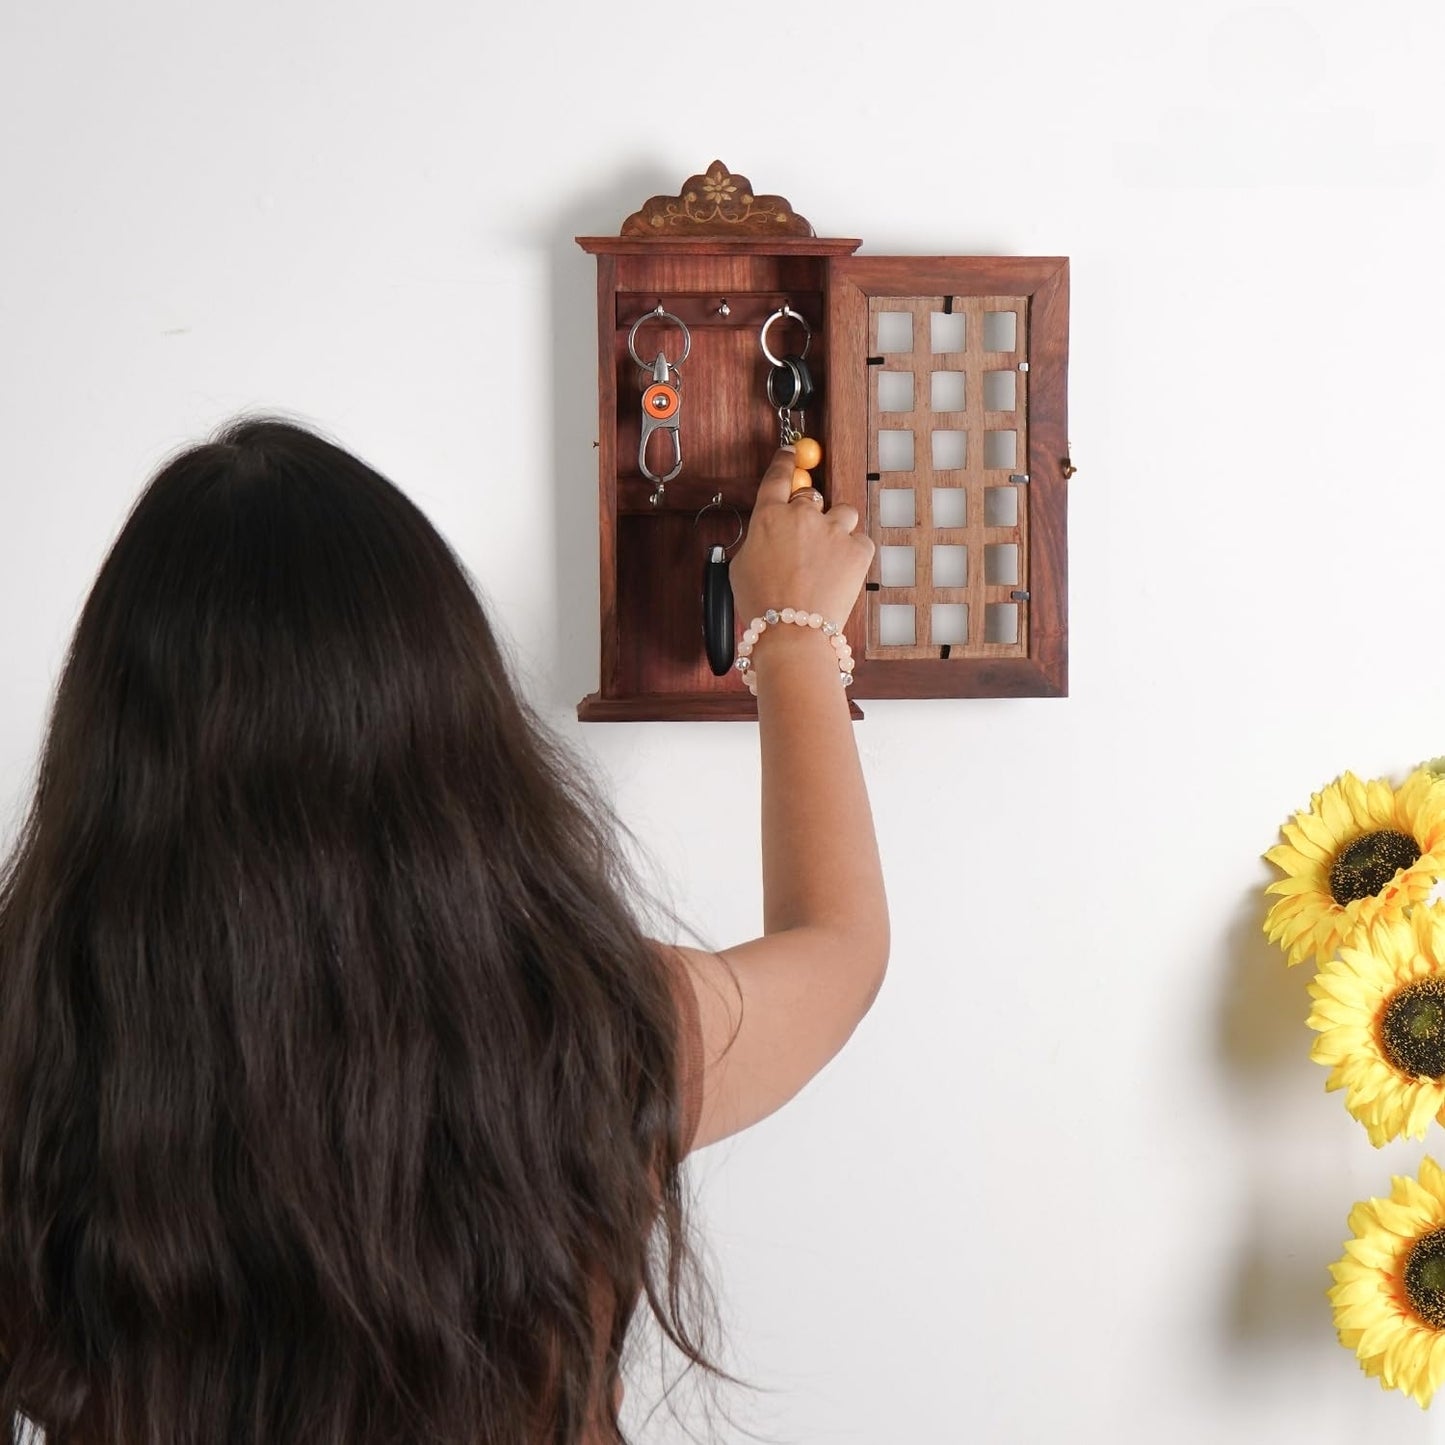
[717,203]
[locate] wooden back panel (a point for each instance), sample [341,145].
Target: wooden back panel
[653,663]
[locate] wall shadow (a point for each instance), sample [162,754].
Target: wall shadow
[572,387]
[1260,1026]
[1274,1299]
[1273,1289]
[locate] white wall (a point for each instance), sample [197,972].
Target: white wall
[1076,1178]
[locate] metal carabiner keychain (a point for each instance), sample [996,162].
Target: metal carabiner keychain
[717,595]
[661,398]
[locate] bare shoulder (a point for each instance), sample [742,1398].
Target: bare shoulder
[770,1014]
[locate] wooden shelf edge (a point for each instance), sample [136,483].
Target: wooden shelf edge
[719,245]
[682,708]
[920,680]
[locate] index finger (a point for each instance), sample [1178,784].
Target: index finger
[777,482]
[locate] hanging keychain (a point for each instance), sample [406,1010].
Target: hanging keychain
[661,398]
[790,392]
[717,595]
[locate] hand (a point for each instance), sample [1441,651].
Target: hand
[797,555]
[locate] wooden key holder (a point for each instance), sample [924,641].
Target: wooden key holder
[939,400]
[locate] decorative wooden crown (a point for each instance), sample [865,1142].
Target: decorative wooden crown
[716,203]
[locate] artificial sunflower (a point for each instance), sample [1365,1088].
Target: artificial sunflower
[1363,851]
[1380,1013]
[1389,1290]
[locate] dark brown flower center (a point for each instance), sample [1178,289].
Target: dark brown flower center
[1424,1278]
[1412,1029]
[1362,868]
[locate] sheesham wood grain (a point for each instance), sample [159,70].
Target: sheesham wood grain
[652,554]
[652,664]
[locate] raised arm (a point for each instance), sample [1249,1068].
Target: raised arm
[774,1010]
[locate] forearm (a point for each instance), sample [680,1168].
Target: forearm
[820,855]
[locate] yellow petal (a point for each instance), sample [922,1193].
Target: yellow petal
[1399,1218]
[1379,1337]
[1432,1177]
[1336,815]
[1317,832]
[1417,1197]
[1370,1290]
[1293,885]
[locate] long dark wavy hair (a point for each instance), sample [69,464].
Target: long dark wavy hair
[340,1092]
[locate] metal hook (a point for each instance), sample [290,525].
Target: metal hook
[717,501]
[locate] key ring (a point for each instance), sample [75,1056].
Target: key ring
[783,312]
[717,501]
[658,314]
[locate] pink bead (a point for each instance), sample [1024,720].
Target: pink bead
[815,619]
[745,649]
[756,626]
[800,619]
[838,641]
[750,637]
[846,664]
[788,614]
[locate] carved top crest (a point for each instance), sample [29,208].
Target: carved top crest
[716,203]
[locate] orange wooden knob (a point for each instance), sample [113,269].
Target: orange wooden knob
[801,479]
[659,400]
[807,452]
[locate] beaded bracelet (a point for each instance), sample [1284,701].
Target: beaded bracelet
[797,617]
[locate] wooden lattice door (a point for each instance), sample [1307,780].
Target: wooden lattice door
[948,406]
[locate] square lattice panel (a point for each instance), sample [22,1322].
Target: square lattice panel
[947,498]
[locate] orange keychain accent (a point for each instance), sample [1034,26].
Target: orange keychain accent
[660,400]
[807,452]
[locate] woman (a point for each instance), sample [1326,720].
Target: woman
[341,1099]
